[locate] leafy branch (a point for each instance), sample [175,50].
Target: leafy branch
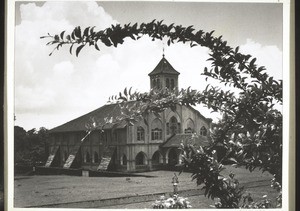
[251,129]
[229,66]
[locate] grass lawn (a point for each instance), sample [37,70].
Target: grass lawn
[39,190]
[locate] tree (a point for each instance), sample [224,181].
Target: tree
[30,146]
[20,143]
[251,129]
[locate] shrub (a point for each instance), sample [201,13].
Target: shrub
[173,202]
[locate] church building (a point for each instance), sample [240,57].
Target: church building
[129,148]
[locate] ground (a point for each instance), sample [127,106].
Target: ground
[55,189]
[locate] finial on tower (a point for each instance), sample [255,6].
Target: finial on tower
[163,50]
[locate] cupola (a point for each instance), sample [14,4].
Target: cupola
[164,76]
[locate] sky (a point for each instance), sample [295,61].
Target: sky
[51,90]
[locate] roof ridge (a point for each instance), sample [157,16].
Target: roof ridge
[164,66]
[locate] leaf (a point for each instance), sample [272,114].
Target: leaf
[130,90]
[216,70]
[232,159]
[71,48]
[62,35]
[79,49]
[96,46]
[252,61]
[237,49]
[77,32]
[92,29]
[270,80]
[73,35]
[86,31]
[211,32]
[193,45]
[261,69]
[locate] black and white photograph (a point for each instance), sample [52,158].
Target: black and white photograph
[148,105]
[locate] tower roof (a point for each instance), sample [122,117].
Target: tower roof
[164,67]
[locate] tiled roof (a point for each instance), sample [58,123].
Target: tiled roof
[164,67]
[176,140]
[79,124]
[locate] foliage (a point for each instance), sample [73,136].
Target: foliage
[250,132]
[249,203]
[174,202]
[206,170]
[227,63]
[30,146]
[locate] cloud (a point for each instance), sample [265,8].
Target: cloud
[269,56]
[50,91]
[63,69]
[52,86]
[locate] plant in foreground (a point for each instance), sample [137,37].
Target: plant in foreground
[250,133]
[173,202]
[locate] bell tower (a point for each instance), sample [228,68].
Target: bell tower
[164,76]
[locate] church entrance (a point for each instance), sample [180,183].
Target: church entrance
[172,157]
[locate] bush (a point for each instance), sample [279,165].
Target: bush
[173,202]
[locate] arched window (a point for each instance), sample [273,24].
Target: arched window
[172,84]
[168,83]
[189,126]
[157,158]
[87,157]
[158,83]
[140,159]
[156,131]
[140,134]
[124,160]
[174,125]
[96,157]
[203,131]
[156,134]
